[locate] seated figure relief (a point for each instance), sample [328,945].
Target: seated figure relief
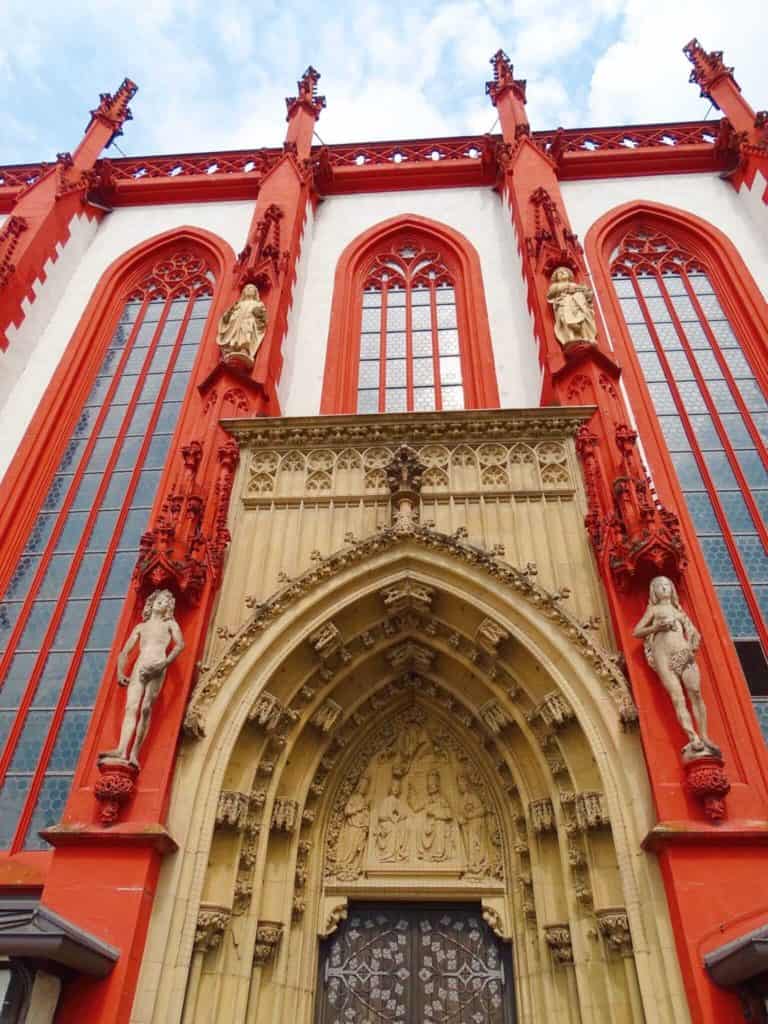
[417,806]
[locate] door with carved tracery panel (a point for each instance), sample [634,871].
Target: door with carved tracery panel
[415,965]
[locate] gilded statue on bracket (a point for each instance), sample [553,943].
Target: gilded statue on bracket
[243,326]
[670,644]
[573,309]
[157,631]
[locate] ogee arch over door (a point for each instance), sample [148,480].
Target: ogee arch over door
[402,964]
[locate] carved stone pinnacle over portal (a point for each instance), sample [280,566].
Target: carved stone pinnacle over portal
[404,476]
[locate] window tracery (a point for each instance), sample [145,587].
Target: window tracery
[713,414]
[61,607]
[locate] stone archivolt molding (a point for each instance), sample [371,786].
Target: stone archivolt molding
[426,539]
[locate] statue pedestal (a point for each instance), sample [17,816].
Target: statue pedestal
[238,360]
[706,780]
[115,787]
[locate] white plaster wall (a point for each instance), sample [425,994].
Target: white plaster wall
[477,213]
[754,201]
[48,328]
[705,195]
[293,367]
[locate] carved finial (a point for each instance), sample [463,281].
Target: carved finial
[306,94]
[503,78]
[707,67]
[404,476]
[114,109]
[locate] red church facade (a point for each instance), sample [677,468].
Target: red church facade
[122,464]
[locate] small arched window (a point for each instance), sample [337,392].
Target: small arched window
[713,413]
[60,609]
[409,330]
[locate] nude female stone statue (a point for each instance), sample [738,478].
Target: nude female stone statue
[572,308]
[671,643]
[157,630]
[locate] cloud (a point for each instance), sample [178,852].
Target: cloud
[215,76]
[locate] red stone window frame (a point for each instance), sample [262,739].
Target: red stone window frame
[174,267]
[441,259]
[662,262]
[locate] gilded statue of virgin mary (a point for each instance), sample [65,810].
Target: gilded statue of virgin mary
[243,326]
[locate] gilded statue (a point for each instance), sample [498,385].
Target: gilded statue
[670,644]
[474,833]
[437,838]
[572,306]
[353,836]
[154,634]
[392,839]
[243,326]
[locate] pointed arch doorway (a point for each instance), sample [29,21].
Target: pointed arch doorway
[396,963]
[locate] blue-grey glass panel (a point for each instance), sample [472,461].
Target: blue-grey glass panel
[19,584]
[448,343]
[754,558]
[720,470]
[423,373]
[9,613]
[423,399]
[40,533]
[52,679]
[57,492]
[110,362]
[668,336]
[370,344]
[446,316]
[30,742]
[100,455]
[445,295]
[761,593]
[674,433]
[16,679]
[112,421]
[422,343]
[39,616]
[641,339]
[6,721]
[700,283]
[72,531]
[752,395]
[368,374]
[395,399]
[192,336]
[450,370]
[88,677]
[103,628]
[396,345]
[177,386]
[103,530]
[72,455]
[150,389]
[135,361]
[116,491]
[692,398]
[146,489]
[70,625]
[120,573]
[706,434]
[712,308]
[154,310]
[125,389]
[761,500]
[87,575]
[708,365]
[722,396]
[169,414]
[680,365]
[396,297]
[701,511]
[160,362]
[452,397]
[736,511]
[145,334]
[368,401]
[648,285]
[99,391]
[201,307]
[737,362]
[421,318]
[651,367]
[135,524]
[371,299]
[737,432]
[696,335]
[753,469]
[718,559]
[420,297]
[623,286]
[674,283]
[658,310]
[12,797]
[633,314]
[687,471]
[86,491]
[129,452]
[395,373]
[54,576]
[157,451]
[69,742]
[48,809]
[737,614]
[371,320]
[662,399]
[723,331]
[178,308]
[140,419]
[684,307]
[761,710]
[395,318]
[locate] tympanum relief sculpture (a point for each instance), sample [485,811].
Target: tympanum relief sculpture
[670,644]
[242,327]
[572,306]
[418,806]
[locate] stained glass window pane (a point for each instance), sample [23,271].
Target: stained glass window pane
[369,374]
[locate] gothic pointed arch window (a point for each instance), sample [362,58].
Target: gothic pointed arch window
[130,364]
[409,329]
[692,326]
